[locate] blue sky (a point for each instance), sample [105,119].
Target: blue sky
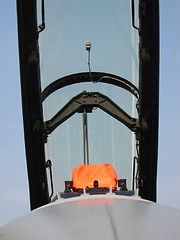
[13,175]
[169,129]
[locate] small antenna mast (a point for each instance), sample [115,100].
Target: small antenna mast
[88,49]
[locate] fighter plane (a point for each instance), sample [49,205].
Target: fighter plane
[90,98]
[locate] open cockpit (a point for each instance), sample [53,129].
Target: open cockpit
[89,78]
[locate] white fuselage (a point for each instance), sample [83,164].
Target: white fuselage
[96,217]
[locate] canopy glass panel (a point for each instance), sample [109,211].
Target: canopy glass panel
[69,27]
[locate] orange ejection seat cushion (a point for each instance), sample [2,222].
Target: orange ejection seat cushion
[85,175]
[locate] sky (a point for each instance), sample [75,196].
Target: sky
[14,200]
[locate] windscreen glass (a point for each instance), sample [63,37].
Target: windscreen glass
[69,26]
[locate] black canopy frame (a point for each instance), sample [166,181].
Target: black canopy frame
[88,101]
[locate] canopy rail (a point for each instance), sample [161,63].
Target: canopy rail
[95,78]
[89,100]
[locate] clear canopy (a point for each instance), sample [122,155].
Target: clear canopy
[107,25]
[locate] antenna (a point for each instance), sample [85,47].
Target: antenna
[88,49]
[88,46]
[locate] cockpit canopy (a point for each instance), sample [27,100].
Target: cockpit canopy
[84,48]
[89,78]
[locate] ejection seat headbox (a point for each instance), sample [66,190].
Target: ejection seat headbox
[94,175]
